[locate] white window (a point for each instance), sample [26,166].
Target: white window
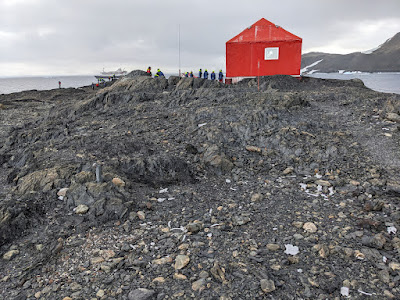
[271,53]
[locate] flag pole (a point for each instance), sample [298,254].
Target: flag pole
[258,77]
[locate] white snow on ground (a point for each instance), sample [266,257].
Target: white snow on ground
[371,50]
[309,66]
[374,49]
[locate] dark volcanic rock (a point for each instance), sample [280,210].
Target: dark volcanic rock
[141,294]
[136,73]
[289,191]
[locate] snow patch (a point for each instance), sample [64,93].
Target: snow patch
[309,66]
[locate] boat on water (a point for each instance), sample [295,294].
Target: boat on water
[112,74]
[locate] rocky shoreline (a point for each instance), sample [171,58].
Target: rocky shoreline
[207,191]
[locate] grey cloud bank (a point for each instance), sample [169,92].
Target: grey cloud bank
[81,37]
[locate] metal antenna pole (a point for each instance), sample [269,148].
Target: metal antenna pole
[179,41]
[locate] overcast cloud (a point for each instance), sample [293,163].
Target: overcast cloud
[43,37]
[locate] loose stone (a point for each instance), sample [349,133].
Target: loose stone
[273,247]
[118,182]
[141,294]
[288,171]
[179,276]
[323,183]
[81,209]
[100,293]
[256,197]
[159,279]
[10,254]
[181,261]
[198,284]
[267,285]
[194,227]
[310,227]
[141,215]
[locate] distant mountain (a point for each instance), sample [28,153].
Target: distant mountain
[385,58]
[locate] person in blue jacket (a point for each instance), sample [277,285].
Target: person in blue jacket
[200,73]
[220,76]
[191,74]
[205,74]
[212,75]
[159,73]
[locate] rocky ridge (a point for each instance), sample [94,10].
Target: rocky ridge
[207,191]
[382,59]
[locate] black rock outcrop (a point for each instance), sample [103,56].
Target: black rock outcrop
[206,191]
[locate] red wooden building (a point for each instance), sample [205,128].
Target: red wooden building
[263,49]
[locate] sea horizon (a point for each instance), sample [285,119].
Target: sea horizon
[379,81]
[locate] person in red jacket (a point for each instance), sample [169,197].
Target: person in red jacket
[149,70]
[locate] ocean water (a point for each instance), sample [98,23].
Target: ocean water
[382,82]
[18,84]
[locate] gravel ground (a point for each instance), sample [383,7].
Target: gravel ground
[207,191]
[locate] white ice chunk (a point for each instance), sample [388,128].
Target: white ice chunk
[344,291]
[163,190]
[161,199]
[202,124]
[291,250]
[227,180]
[331,192]
[391,229]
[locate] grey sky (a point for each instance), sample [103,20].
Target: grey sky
[42,37]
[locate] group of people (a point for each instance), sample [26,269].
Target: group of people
[158,74]
[205,75]
[190,74]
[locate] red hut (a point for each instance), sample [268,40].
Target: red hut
[263,49]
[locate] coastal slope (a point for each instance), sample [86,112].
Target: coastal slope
[207,191]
